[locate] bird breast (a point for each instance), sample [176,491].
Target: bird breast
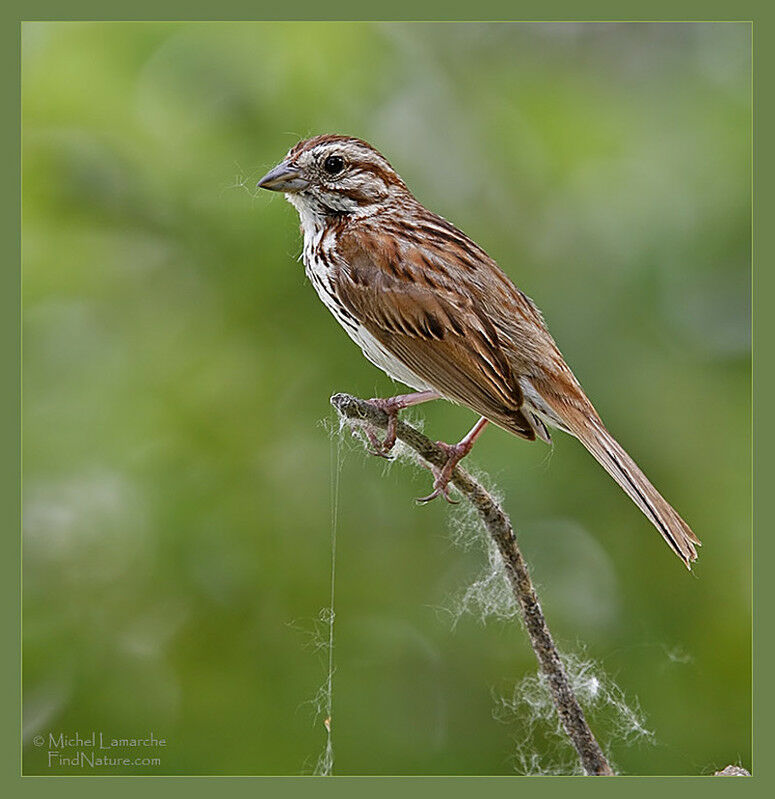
[319,258]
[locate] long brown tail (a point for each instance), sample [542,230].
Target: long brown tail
[610,455]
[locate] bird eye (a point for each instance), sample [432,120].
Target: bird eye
[334,164]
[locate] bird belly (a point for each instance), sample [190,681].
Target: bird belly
[385,361]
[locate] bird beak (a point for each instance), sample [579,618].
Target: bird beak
[284,177]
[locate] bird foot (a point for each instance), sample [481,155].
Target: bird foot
[455,453]
[391,406]
[382,449]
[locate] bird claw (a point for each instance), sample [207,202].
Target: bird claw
[381,449]
[438,491]
[378,448]
[455,453]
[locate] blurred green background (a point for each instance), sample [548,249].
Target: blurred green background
[177,367]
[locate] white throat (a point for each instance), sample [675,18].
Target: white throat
[311,215]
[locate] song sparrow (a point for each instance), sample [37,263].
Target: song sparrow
[430,308]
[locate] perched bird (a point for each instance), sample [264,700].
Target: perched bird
[430,308]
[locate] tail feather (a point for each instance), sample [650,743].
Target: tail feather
[612,457]
[561,402]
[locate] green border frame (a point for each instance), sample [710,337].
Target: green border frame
[10,426]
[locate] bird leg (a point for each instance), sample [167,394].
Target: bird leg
[391,406]
[455,454]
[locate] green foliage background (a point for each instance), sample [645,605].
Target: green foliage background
[177,366]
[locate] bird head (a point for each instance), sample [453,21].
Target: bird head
[334,175]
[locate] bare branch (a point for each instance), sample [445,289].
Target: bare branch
[498,524]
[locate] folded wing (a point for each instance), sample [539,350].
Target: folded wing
[442,335]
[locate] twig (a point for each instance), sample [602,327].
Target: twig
[499,527]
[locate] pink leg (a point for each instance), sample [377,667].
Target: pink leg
[391,406]
[456,453]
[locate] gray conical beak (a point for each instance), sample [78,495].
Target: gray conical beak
[284,177]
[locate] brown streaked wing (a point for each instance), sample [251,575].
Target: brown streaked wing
[441,335]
